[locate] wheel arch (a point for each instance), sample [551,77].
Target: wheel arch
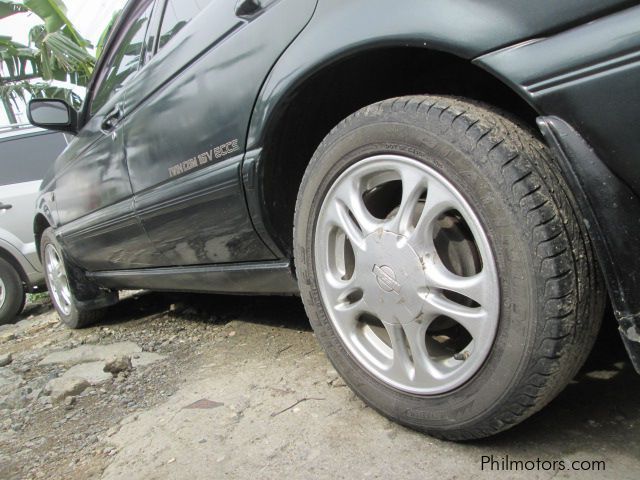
[40,224]
[280,145]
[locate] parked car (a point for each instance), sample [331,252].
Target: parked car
[451,187]
[26,153]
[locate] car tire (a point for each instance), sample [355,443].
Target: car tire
[12,294]
[61,294]
[497,302]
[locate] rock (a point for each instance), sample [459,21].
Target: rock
[7,336]
[5,359]
[91,353]
[92,372]
[9,381]
[91,339]
[338,382]
[121,363]
[61,388]
[15,400]
[143,359]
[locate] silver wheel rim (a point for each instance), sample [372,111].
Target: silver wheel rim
[406,275]
[57,279]
[3,293]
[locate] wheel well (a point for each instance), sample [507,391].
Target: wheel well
[40,224]
[345,86]
[10,259]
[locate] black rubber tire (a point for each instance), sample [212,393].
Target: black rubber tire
[551,291]
[15,295]
[77,318]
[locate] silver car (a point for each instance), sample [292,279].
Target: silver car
[26,153]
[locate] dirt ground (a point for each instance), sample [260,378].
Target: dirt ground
[236,387]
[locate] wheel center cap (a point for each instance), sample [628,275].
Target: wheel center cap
[386,278]
[392,277]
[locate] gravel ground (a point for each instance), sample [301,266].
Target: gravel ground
[233,387]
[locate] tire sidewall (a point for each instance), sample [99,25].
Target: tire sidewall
[14,295]
[450,156]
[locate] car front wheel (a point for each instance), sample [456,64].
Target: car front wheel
[443,266]
[59,286]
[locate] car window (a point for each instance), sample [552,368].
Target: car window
[177,14]
[27,158]
[124,61]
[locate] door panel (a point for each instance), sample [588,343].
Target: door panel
[93,191]
[93,196]
[176,215]
[92,173]
[109,239]
[188,114]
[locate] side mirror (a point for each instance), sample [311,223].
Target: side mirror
[53,115]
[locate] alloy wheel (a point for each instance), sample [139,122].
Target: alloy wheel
[57,277]
[406,274]
[3,293]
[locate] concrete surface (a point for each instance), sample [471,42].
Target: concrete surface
[257,399]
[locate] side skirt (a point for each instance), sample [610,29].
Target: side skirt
[256,278]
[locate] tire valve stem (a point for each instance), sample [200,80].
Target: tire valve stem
[462,356]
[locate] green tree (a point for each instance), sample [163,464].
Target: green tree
[56,51]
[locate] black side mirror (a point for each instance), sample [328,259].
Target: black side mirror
[53,114]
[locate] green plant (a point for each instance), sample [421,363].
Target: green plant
[56,51]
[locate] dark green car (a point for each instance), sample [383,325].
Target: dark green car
[451,187]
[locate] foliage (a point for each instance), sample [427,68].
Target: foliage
[56,51]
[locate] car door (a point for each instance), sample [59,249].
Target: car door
[190,108]
[93,195]
[25,158]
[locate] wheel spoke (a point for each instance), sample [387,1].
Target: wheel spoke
[335,287]
[425,371]
[55,263]
[339,216]
[437,201]
[410,356]
[50,264]
[474,287]
[473,319]
[66,295]
[401,364]
[350,195]
[413,186]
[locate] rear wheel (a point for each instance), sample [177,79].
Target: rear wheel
[443,266]
[59,287]
[12,294]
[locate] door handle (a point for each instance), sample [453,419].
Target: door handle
[5,206]
[111,119]
[248,8]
